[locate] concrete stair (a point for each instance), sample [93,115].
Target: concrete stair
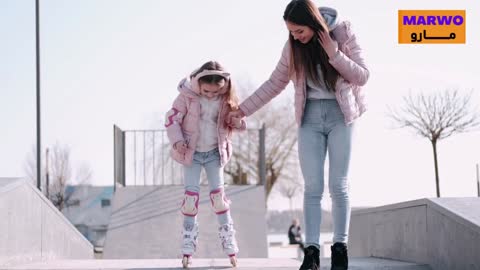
[244,263]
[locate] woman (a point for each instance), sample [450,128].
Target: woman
[323,60]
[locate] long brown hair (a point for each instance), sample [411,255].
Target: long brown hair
[306,57]
[231,95]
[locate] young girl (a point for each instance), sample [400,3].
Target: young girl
[200,138]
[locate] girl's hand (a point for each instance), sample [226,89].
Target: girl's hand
[236,122]
[329,45]
[181,147]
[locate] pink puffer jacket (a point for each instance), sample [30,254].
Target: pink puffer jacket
[182,124]
[348,62]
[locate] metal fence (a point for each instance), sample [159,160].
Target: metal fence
[142,157]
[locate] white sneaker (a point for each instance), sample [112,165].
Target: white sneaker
[227,238]
[189,242]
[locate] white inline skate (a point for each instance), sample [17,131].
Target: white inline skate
[189,243]
[229,243]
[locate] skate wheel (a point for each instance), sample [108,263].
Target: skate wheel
[233,261]
[186,261]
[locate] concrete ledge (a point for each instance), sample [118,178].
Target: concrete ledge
[33,229]
[392,207]
[465,211]
[442,232]
[7,184]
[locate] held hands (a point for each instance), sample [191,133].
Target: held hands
[234,119]
[181,147]
[236,122]
[329,45]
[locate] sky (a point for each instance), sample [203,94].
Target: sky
[119,61]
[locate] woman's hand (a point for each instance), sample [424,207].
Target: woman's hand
[329,45]
[238,114]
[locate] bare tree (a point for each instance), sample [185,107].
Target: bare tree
[60,174]
[30,167]
[281,139]
[436,116]
[83,174]
[61,171]
[290,188]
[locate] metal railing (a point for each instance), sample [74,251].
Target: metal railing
[142,157]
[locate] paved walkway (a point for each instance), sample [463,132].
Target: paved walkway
[250,264]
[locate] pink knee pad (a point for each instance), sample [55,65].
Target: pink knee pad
[220,203]
[190,204]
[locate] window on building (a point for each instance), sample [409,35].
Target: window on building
[105,202]
[74,202]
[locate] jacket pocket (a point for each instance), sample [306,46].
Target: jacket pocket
[177,155]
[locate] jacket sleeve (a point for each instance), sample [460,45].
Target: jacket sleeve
[272,87]
[352,67]
[174,119]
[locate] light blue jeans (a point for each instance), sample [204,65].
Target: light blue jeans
[323,128]
[211,162]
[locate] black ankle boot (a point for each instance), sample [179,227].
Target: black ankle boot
[339,256]
[311,259]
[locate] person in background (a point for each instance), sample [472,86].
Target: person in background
[295,233]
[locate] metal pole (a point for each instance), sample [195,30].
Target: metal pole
[163,159]
[248,147]
[144,158]
[153,154]
[261,158]
[135,157]
[172,172]
[478,181]
[122,153]
[115,160]
[39,146]
[47,176]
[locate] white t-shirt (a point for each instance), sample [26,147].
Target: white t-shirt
[209,110]
[318,91]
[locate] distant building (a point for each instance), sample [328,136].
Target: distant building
[89,209]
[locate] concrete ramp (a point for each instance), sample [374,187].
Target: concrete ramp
[441,232]
[146,223]
[32,229]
